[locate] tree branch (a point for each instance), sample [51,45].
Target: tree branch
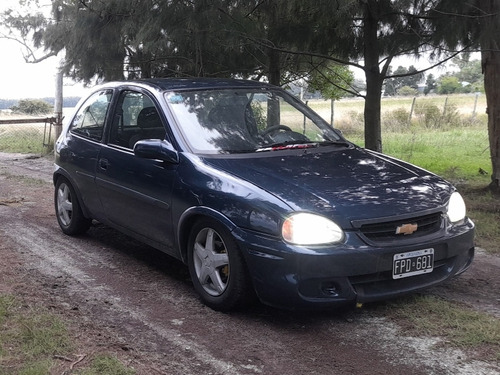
[29,57]
[430,67]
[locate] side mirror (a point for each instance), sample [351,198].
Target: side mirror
[156,149]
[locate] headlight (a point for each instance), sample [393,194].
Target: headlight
[309,229]
[456,208]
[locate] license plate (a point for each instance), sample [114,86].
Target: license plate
[412,263]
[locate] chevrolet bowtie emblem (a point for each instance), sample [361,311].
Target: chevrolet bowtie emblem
[406,229]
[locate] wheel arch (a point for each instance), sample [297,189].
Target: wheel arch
[189,217]
[62,173]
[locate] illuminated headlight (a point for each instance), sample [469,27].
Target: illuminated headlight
[309,229]
[456,208]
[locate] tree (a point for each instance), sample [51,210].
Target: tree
[141,38]
[469,71]
[477,23]
[430,84]
[405,77]
[367,35]
[26,29]
[411,77]
[468,79]
[448,84]
[332,81]
[490,60]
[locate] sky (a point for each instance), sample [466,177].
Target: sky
[21,80]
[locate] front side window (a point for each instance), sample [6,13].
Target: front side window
[136,118]
[91,117]
[241,121]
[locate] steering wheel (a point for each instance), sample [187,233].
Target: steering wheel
[276,128]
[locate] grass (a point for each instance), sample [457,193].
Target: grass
[455,154]
[484,208]
[29,339]
[22,141]
[25,139]
[450,144]
[458,325]
[104,364]
[32,341]
[25,180]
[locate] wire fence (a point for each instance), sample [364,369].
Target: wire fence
[27,135]
[400,113]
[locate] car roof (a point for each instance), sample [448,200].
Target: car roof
[176,84]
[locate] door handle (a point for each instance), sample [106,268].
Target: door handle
[103,164]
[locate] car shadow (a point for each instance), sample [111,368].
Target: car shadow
[133,251]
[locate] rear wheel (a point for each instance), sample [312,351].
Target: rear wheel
[68,211]
[217,267]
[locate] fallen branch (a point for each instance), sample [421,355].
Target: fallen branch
[80,358]
[62,358]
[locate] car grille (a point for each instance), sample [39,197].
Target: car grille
[386,231]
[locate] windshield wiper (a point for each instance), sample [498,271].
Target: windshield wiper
[288,145]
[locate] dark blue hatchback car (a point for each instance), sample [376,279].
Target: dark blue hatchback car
[257,194]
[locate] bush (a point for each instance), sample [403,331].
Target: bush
[407,91]
[428,115]
[353,123]
[396,120]
[452,118]
[32,107]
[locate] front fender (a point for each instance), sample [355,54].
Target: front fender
[187,220]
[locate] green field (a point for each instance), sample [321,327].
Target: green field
[446,135]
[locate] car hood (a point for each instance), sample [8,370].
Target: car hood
[348,184]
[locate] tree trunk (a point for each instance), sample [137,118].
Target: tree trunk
[58,102]
[373,127]
[374,79]
[274,66]
[273,55]
[490,59]
[273,106]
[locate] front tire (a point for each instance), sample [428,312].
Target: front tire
[68,211]
[217,268]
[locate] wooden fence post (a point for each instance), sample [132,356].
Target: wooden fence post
[332,112]
[411,110]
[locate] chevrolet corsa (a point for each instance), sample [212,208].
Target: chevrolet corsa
[257,194]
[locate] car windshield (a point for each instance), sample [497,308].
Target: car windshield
[247,120]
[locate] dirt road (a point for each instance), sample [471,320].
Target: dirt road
[122,297]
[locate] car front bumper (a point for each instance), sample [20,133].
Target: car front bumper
[295,277]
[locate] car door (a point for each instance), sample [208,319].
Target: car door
[82,145]
[136,192]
